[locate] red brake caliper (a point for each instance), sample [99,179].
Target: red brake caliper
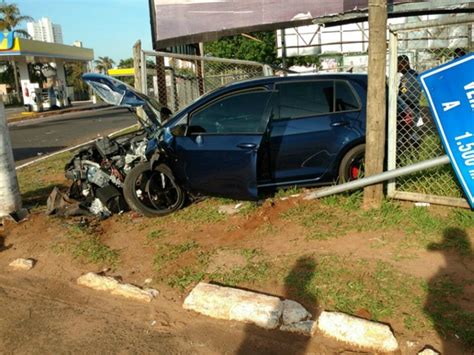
[354,172]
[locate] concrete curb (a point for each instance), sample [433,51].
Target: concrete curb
[267,312]
[105,283]
[235,304]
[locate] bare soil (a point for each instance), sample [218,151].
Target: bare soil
[45,311]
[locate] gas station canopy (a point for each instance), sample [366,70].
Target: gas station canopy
[42,51]
[52,57]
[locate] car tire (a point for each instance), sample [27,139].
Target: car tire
[143,195]
[352,164]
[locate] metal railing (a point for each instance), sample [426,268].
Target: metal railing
[176,80]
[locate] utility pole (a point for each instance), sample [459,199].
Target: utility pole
[10,200]
[376,105]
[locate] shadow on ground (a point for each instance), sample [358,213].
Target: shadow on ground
[297,283]
[449,303]
[39,196]
[34,152]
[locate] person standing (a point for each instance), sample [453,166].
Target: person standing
[409,89]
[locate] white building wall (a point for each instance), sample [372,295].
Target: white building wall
[44,30]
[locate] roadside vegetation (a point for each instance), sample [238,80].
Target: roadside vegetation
[327,253]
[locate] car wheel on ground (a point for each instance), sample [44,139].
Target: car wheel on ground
[352,165]
[152,193]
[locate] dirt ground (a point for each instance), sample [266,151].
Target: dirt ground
[412,269]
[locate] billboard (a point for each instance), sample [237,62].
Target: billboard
[176,22]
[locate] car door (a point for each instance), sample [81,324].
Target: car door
[311,128]
[218,155]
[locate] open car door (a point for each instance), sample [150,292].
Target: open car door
[218,155]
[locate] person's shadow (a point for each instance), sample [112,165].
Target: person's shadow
[2,244]
[297,287]
[448,304]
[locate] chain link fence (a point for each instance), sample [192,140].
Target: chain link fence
[177,80]
[413,136]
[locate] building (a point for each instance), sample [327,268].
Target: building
[44,30]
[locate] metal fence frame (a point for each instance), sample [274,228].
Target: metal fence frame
[394,31]
[140,59]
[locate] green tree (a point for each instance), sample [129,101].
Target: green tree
[103,64]
[74,73]
[261,49]
[126,63]
[10,18]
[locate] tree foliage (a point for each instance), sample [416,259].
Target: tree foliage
[10,18]
[126,63]
[262,49]
[74,73]
[103,64]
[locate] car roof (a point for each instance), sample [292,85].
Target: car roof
[298,77]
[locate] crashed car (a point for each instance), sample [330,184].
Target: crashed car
[239,141]
[98,170]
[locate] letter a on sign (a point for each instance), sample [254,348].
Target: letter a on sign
[449,105]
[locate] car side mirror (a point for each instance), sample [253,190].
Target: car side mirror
[179,130]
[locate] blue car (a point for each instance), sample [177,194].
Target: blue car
[245,139]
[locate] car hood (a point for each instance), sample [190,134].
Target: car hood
[118,93]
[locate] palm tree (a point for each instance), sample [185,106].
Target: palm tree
[103,64]
[10,19]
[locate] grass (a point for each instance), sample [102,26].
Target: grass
[436,181]
[256,269]
[351,285]
[94,251]
[289,191]
[203,212]
[337,216]
[155,234]
[168,252]
[193,266]
[84,244]
[36,181]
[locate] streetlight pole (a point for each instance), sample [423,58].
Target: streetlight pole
[376,106]
[10,199]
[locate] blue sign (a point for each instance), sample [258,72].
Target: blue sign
[450,92]
[7,40]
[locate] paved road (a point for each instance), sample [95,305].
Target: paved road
[46,135]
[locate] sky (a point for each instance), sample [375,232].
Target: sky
[109,27]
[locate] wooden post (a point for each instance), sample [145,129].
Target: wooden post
[200,69]
[376,104]
[161,78]
[137,74]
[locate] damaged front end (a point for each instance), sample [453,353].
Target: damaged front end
[98,171]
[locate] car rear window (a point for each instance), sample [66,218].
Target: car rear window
[311,98]
[345,98]
[303,99]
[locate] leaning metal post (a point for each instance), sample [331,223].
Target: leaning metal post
[392,109]
[375,179]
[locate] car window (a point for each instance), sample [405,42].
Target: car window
[303,99]
[245,112]
[345,98]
